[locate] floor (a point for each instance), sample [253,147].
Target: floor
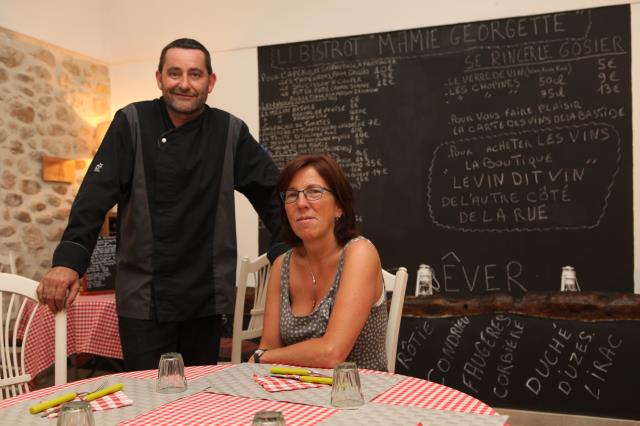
[96,366]
[537,418]
[88,366]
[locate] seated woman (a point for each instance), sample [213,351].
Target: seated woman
[325,299]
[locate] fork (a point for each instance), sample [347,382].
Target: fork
[81,395]
[98,389]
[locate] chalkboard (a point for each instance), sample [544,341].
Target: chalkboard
[514,361]
[101,273]
[497,152]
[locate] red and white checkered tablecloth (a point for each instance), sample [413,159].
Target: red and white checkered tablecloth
[192,373]
[41,394]
[92,327]
[415,392]
[212,408]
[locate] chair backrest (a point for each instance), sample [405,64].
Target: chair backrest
[397,285]
[8,263]
[13,378]
[259,268]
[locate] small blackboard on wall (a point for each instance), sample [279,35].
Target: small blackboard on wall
[495,151]
[101,273]
[522,362]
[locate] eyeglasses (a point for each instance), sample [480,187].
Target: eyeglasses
[312,193]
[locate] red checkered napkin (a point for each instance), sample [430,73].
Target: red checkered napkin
[277,384]
[107,402]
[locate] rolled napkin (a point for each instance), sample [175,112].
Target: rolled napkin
[52,403]
[290,370]
[105,402]
[278,384]
[308,379]
[106,391]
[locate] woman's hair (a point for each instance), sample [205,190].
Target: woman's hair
[330,171]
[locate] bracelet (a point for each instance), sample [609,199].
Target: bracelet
[258,354]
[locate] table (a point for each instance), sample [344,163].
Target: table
[92,327]
[197,406]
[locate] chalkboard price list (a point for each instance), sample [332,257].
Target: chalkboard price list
[496,140]
[323,109]
[101,270]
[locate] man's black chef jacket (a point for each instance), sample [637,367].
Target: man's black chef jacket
[176,257]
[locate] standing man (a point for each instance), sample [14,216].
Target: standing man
[171,165]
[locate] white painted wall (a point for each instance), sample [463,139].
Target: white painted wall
[122,31]
[77,25]
[130,34]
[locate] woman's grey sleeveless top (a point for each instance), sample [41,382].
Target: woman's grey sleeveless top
[369,349]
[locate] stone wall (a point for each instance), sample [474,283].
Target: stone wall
[50,101]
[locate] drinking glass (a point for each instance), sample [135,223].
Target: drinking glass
[171,374]
[268,418]
[75,413]
[346,391]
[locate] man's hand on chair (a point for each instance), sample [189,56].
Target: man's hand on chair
[58,288]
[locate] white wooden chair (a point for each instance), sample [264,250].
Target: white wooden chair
[8,263]
[260,268]
[13,378]
[397,285]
